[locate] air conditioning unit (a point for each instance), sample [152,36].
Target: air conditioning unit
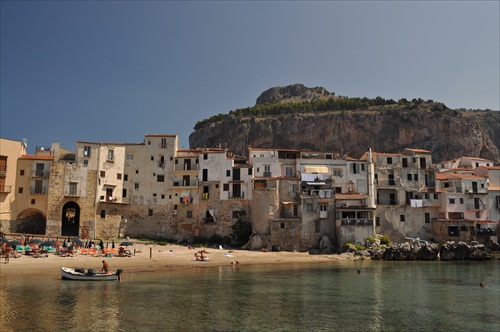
[351,190]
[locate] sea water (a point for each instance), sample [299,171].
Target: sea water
[382,296]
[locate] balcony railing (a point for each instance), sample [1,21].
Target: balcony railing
[38,190]
[238,195]
[476,206]
[6,188]
[37,173]
[268,174]
[385,183]
[72,193]
[182,167]
[356,222]
[186,183]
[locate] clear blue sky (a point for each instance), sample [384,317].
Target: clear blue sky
[114,71]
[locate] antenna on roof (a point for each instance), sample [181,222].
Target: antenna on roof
[25,142]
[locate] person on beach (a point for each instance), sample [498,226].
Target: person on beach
[7,251]
[105,266]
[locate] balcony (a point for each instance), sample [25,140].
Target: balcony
[476,206]
[6,188]
[268,174]
[236,195]
[72,193]
[38,190]
[356,222]
[385,183]
[40,173]
[186,183]
[182,167]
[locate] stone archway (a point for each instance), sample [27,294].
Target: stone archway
[70,219]
[31,221]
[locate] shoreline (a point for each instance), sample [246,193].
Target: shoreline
[150,258]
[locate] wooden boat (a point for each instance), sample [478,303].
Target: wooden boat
[89,275]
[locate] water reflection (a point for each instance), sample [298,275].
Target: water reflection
[324,297]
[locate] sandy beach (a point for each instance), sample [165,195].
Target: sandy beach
[159,257]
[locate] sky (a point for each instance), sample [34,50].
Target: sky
[114,71]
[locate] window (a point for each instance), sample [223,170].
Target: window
[228,172]
[125,177]
[103,214]
[205,156]
[136,186]
[204,175]
[73,187]
[389,160]
[21,172]
[225,187]
[86,151]
[408,177]
[402,218]
[152,158]
[33,201]
[328,156]
[309,207]
[436,196]
[415,177]
[267,170]
[163,143]
[130,156]
[337,172]
[282,225]
[427,218]
[38,187]
[163,196]
[103,174]
[317,226]
[111,154]
[426,196]
[160,178]
[189,214]
[150,212]
[452,201]
[405,162]
[85,163]
[136,171]
[293,188]
[119,176]
[154,195]
[461,200]
[288,171]
[322,207]
[271,209]
[377,221]
[124,193]
[250,171]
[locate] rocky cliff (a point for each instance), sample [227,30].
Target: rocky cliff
[388,128]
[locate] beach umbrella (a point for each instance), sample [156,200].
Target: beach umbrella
[2,240]
[77,241]
[126,244]
[48,243]
[14,243]
[35,241]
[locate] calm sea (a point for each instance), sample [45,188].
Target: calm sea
[384,296]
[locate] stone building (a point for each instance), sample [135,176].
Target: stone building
[404,182]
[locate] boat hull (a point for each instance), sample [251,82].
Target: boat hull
[72,274]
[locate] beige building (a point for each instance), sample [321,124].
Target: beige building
[10,152]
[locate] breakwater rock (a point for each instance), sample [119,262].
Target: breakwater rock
[463,251]
[412,251]
[425,251]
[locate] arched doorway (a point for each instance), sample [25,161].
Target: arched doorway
[70,219]
[31,221]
